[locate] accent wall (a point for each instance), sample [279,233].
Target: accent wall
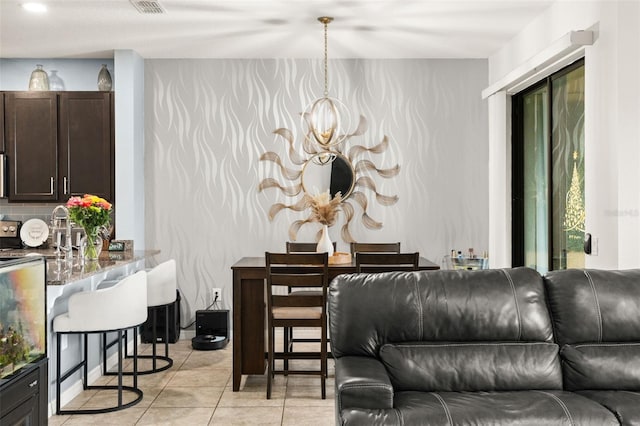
[207,121]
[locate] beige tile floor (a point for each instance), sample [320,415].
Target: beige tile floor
[197,390]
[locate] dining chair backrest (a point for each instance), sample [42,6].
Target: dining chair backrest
[384,262]
[291,270]
[295,247]
[375,248]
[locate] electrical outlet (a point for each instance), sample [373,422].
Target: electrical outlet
[216,292]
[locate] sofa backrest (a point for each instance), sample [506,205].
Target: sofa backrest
[596,318]
[448,330]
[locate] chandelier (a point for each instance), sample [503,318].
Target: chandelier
[325,118]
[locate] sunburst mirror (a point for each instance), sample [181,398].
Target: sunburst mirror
[338,170]
[327,175]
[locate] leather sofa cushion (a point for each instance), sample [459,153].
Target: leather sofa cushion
[594,305]
[370,417]
[601,366]
[495,366]
[485,408]
[625,405]
[369,310]
[501,408]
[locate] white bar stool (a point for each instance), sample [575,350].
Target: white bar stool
[161,293]
[112,309]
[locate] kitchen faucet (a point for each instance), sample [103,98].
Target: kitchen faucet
[55,223]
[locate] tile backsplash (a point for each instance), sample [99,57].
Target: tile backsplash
[26,211]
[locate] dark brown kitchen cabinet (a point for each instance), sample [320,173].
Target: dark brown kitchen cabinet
[31,135]
[86,144]
[59,144]
[24,397]
[2,145]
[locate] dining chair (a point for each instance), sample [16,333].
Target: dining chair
[295,247]
[296,309]
[384,262]
[375,248]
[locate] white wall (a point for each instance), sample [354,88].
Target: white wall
[612,117]
[208,121]
[64,74]
[129,124]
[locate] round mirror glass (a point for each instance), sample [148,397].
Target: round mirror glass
[335,176]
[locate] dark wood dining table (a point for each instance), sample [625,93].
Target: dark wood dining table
[249,309]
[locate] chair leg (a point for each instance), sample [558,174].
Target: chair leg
[166,330]
[104,353]
[323,360]
[286,331]
[135,357]
[58,343]
[85,369]
[154,335]
[270,366]
[120,368]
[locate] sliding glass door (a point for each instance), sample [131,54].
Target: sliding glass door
[548,172]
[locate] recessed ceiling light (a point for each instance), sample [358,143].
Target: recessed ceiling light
[34,7]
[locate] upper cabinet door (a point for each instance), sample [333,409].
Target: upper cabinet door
[2,144]
[86,144]
[31,145]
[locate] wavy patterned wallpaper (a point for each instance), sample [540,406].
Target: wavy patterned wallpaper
[208,121]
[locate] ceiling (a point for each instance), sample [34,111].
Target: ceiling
[265,28]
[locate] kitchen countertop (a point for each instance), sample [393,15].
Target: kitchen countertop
[60,272]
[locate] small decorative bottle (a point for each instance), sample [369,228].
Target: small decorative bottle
[55,82]
[104,79]
[39,79]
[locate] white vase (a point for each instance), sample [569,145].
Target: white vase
[325,244]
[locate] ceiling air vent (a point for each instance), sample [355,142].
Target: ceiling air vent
[147,7]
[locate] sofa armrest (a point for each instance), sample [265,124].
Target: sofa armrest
[362,382]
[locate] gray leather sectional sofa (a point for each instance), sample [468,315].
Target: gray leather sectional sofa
[492,347]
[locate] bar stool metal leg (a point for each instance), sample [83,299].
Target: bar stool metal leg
[154,357]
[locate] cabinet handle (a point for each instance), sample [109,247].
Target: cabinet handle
[51,186]
[64,185]
[32,384]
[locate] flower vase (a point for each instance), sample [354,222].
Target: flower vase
[325,244]
[91,245]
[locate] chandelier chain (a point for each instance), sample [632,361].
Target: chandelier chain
[326,68]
